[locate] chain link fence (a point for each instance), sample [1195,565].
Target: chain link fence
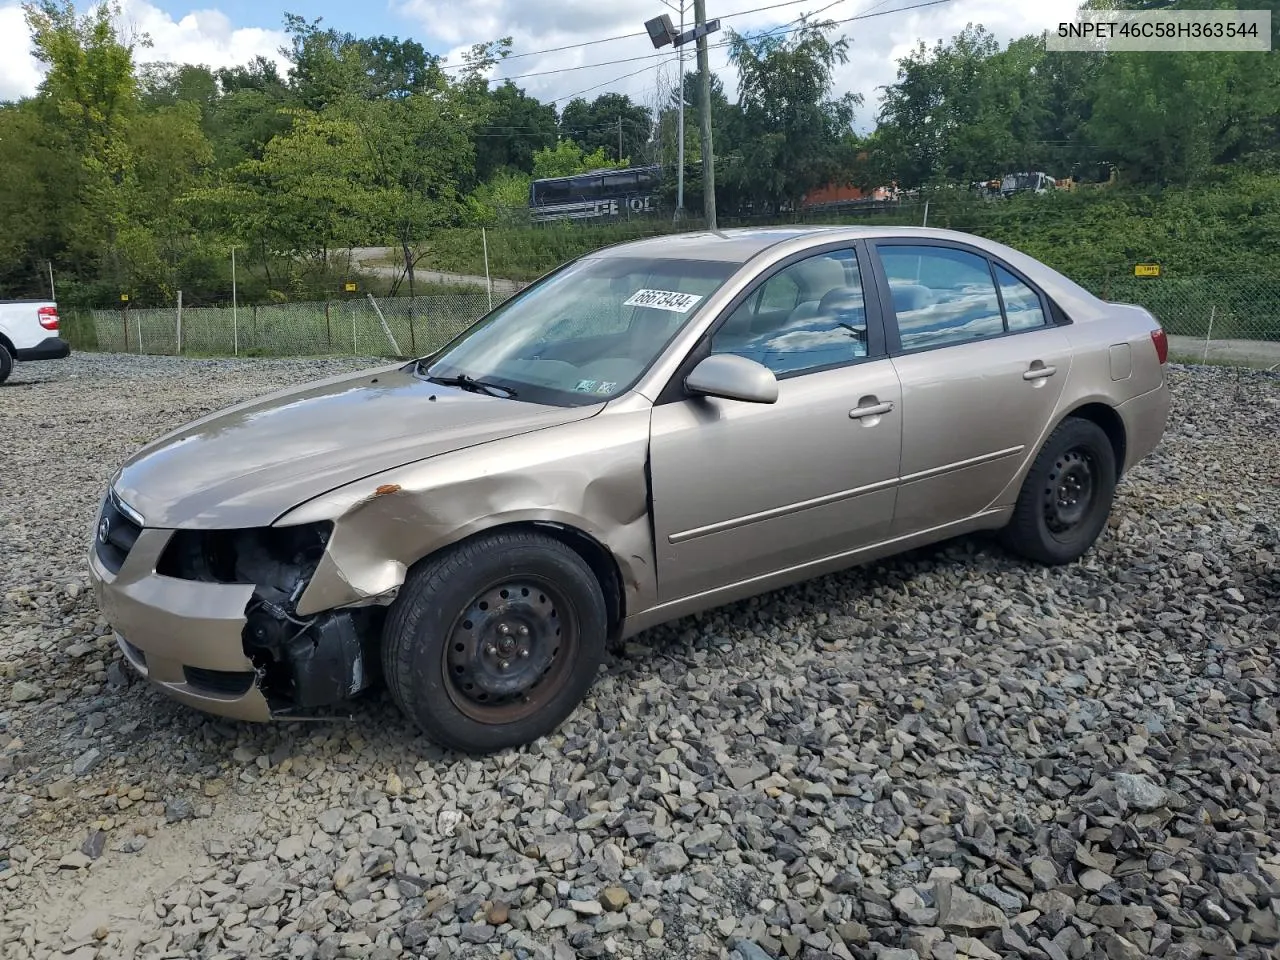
[386,326]
[1208,309]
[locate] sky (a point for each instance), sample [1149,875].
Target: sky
[234,31]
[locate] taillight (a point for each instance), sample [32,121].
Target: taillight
[1161,341]
[48,317]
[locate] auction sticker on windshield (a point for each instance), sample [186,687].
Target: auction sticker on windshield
[663,300]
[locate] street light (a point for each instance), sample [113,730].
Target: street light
[663,32]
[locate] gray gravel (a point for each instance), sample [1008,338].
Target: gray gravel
[951,754]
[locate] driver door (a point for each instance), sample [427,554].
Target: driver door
[745,490]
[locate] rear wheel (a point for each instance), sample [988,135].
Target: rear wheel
[1066,497]
[6,363]
[494,642]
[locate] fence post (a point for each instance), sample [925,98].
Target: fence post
[255,324]
[413,338]
[354,350]
[385,328]
[328,328]
[124,317]
[179,323]
[1213,309]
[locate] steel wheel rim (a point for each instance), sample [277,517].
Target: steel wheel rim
[509,650]
[1070,491]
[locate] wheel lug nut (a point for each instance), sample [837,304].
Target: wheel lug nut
[491,650]
[524,631]
[504,629]
[504,664]
[524,653]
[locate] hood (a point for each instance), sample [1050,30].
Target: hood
[248,464]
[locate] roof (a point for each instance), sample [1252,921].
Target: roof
[740,244]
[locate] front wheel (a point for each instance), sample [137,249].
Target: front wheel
[494,642]
[6,363]
[1066,497]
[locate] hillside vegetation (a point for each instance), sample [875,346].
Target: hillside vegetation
[1231,227]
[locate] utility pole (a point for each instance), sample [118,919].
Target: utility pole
[663,32]
[619,138]
[680,149]
[708,153]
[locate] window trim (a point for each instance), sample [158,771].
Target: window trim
[877,326]
[893,338]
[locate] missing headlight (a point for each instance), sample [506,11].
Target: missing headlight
[301,662]
[274,559]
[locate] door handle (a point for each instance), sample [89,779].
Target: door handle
[873,410]
[1039,371]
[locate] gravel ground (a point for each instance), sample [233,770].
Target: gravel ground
[952,754]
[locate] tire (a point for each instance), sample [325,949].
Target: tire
[1066,498]
[6,363]
[479,669]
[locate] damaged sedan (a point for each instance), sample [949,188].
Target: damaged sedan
[651,430]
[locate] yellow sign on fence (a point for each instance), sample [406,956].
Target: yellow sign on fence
[124,298]
[349,287]
[1146,270]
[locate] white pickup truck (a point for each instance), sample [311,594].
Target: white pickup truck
[29,331]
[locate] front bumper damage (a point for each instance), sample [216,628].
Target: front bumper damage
[209,617]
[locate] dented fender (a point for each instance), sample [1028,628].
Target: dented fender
[589,476]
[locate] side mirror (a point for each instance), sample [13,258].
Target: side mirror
[731,377]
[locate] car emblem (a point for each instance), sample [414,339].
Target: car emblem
[104,530]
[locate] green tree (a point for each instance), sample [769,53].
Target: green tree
[796,135]
[170,158]
[251,109]
[566,158]
[600,124]
[939,121]
[38,187]
[91,87]
[518,125]
[1225,111]
[500,201]
[312,192]
[421,153]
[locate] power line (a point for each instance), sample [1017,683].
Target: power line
[782,31]
[622,36]
[625,76]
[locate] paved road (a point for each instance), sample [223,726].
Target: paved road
[1253,353]
[368,259]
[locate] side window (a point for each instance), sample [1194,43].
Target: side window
[940,295]
[807,316]
[1022,307]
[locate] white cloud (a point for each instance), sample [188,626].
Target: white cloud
[209,37]
[877,41]
[19,71]
[203,36]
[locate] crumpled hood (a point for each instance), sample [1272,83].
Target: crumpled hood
[248,464]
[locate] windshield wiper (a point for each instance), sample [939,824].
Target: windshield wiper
[475,386]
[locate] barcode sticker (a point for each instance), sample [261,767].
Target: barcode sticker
[663,300]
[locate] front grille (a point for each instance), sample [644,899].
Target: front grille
[231,683]
[115,535]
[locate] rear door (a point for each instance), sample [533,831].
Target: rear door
[982,367]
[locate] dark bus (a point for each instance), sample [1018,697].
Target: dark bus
[611,194]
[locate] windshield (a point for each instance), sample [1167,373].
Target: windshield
[584,334]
